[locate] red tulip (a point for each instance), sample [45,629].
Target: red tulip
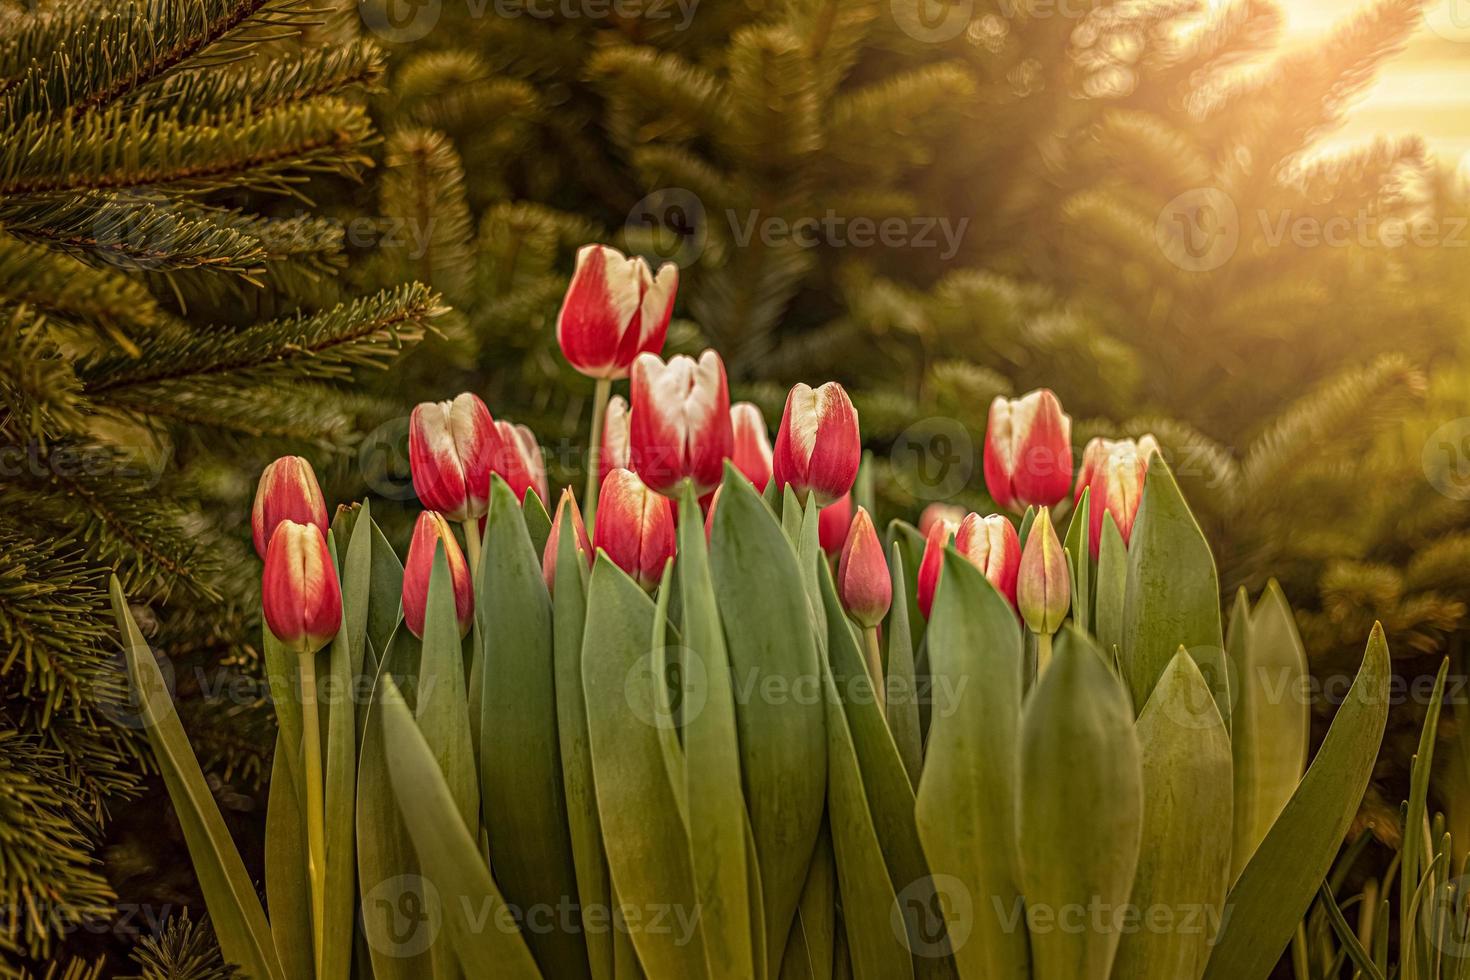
[287,491]
[432,529]
[680,424]
[519,462]
[932,563]
[451,446]
[1114,470]
[566,509]
[953,513]
[818,447]
[1028,451]
[614,310]
[299,591]
[614,452]
[1043,585]
[833,522]
[863,582]
[752,452]
[635,526]
[992,545]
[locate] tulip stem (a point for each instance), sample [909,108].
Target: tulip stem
[875,668]
[600,395]
[316,839]
[1043,653]
[472,546]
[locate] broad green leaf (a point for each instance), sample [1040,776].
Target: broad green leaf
[717,814]
[538,522]
[594,888]
[1081,812]
[809,949]
[666,660]
[903,705]
[1276,887]
[1185,864]
[525,810]
[878,949]
[385,598]
[284,678]
[287,891]
[773,652]
[1078,546]
[357,586]
[966,808]
[234,908]
[1272,718]
[1173,597]
[442,708]
[400,917]
[474,913]
[904,538]
[1415,865]
[647,843]
[811,559]
[340,762]
[1111,587]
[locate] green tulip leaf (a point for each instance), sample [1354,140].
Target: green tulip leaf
[385,595]
[809,951]
[1081,812]
[903,705]
[538,522]
[287,891]
[908,542]
[1274,891]
[1110,587]
[442,708]
[1078,546]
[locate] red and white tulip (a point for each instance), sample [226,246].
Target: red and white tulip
[863,581]
[566,511]
[940,534]
[992,545]
[635,526]
[519,462]
[818,447]
[299,591]
[431,530]
[1028,451]
[613,454]
[752,448]
[614,310]
[287,491]
[680,426]
[1114,470]
[833,523]
[451,447]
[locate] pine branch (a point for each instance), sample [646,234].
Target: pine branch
[297,77]
[186,950]
[427,222]
[99,300]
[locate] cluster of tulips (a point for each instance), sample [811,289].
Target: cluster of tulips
[618,720]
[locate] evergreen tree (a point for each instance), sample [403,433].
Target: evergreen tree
[170,312]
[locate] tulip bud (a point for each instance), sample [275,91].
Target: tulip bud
[1114,470]
[451,446]
[932,563]
[939,512]
[432,529]
[614,452]
[680,424]
[299,591]
[752,450]
[1043,586]
[287,491]
[863,582]
[833,523]
[992,545]
[635,526]
[1028,451]
[566,509]
[614,310]
[519,462]
[818,447]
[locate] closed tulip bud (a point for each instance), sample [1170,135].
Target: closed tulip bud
[752,451]
[432,529]
[833,523]
[614,452]
[299,591]
[940,512]
[635,526]
[992,545]
[1114,470]
[1028,451]
[862,574]
[520,463]
[566,510]
[938,538]
[818,447]
[614,310]
[680,426]
[287,491]
[1043,586]
[451,446]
